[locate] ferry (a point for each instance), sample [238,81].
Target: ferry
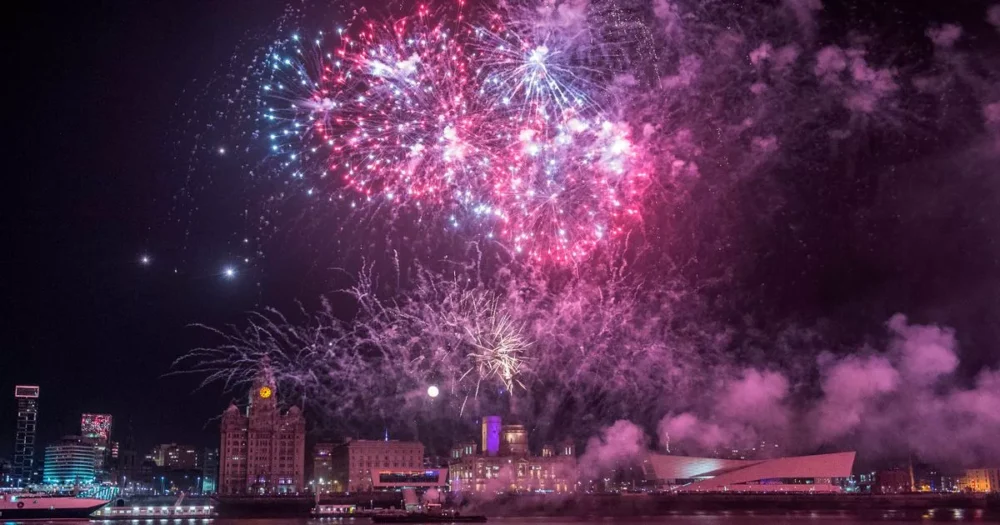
[41,506]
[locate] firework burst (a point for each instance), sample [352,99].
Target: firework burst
[497,133]
[497,340]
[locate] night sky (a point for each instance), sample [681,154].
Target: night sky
[93,170]
[96,161]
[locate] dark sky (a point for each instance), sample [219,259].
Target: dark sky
[91,170]
[100,93]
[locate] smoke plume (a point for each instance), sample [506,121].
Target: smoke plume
[905,399]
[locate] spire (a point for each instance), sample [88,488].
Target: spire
[264,389]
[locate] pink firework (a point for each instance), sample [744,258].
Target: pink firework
[492,131]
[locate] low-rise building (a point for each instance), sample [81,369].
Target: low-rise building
[980,480]
[353,463]
[401,478]
[172,456]
[892,481]
[819,473]
[504,463]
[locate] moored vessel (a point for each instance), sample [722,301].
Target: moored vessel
[40,506]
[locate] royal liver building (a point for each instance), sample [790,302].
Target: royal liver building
[263,449]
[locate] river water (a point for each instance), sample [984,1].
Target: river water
[706,518]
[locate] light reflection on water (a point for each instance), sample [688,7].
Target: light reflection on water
[694,518]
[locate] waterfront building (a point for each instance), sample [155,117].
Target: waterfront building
[504,463]
[892,481]
[431,462]
[262,450]
[97,429]
[210,471]
[70,461]
[760,450]
[125,468]
[819,473]
[354,462]
[26,430]
[401,478]
[172,456]
[980,480]
[491,436]
[179,457]
[322,474]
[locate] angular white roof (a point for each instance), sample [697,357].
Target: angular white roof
[724,472]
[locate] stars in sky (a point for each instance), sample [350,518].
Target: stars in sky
[228,272]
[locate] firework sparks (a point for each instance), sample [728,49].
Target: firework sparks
[482,345]
[496,130]
[546,126]
[498,343]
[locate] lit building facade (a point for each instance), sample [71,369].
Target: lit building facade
[97,429]
[263,450]
[27,428]
[323,467]
[980,480]
[505,464]
[401,478]
[210,471]
[172,456]
[353,463]
[71,461]
[820,473]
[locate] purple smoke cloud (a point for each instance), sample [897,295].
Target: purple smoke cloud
[993,16]
[620,444]
[945,35]
[905,399]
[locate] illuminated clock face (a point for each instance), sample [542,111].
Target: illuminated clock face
[265,392]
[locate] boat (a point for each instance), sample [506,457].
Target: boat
[442,516]
[41,506]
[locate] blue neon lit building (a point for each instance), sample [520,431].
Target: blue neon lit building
[71,461]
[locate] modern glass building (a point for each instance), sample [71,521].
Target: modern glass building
[71,461]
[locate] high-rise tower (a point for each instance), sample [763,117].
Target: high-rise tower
[24,441]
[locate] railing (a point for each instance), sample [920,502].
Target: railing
[154,512]
[335,510]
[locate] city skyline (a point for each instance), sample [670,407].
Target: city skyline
[815,262]
[502,457]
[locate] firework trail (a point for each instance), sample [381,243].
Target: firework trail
[566,355]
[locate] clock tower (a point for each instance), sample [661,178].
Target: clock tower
[263,395]
[263,451]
